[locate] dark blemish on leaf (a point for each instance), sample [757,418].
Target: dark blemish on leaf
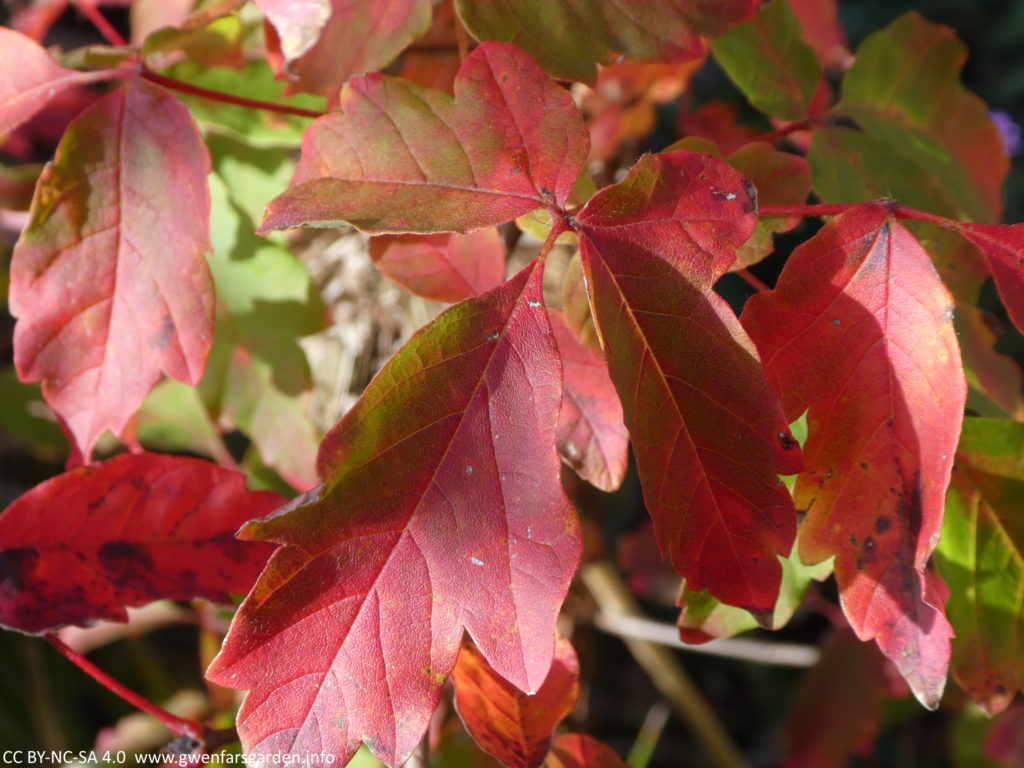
[854,540]
[504,78]
[96,503]
[864,466]
[137,481]
[1000,689]
[515,170]
[891,623]
[828,473]
[164,336]
[861,562]
[889,423]
[703,177]
[842,121]
[126,564]
[787,441]
[837,322]
[882,525]
[17,563]
[545,191]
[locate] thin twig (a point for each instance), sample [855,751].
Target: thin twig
[777,654]
[225,98]
[663,668]
[98,20]
[176,724]
[753,280]
[780,133]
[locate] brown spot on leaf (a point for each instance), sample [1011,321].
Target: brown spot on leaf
[882,525]
[787,441]
[15,564]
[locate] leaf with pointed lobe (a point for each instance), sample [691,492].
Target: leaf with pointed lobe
[708,433]
[355,36]
[569,38]
[910,130]
[767,58]
[426,525]
[141,527]
[781,178]
[1003,246]
[981,559]
[859,331]
[29,78]
[591,436]
[514,727]
[576,750]
[398,157]
[442,267]
[108,280]
[838,709]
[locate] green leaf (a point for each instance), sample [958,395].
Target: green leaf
[981,558]
[768,59]
[912,131]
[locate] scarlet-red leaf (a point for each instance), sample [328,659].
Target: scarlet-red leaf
[443,267]
[575,750]
[504,721]
[859,330]
[592,438]
[709,436]
[29,78]
[137,528]
[1004,248]
[402,158]
[109,280]
[428,522]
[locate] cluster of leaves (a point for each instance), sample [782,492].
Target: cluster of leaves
[432,537]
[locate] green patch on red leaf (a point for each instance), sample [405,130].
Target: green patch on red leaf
[427,524]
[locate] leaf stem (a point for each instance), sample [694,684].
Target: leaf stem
[98,20]
[780,133]
[753,280]
[225,98]
[559,226]
[178,725]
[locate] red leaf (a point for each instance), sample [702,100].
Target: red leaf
[402,158]
[574,750]
[837,712]
[503,720]
[441,510]
[29,78]
[859,331]
[137,528]
[709,435]
[108,280]
[324,42]
[1004,248]
[444,267]
[591,436]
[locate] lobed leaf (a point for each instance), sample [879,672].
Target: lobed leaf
[576,750]
[709,436]
[325,42]
[444,267]
[591,436]
[570,37]
[427,523]
[505,722]
[108,280]
[767,58]
[1003,246]
[402,158]
[138,528]
[859,331]
[909,130]
[981,558]
[30,78]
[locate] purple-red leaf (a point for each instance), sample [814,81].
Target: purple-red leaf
[708,433]
[324,42]
[109,280]
[1004,248]
[138,528]
[592,438]
[859,330]
[575,750]
[29,78]
[504,721]
[443,267]
[402,158]
[441,510]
